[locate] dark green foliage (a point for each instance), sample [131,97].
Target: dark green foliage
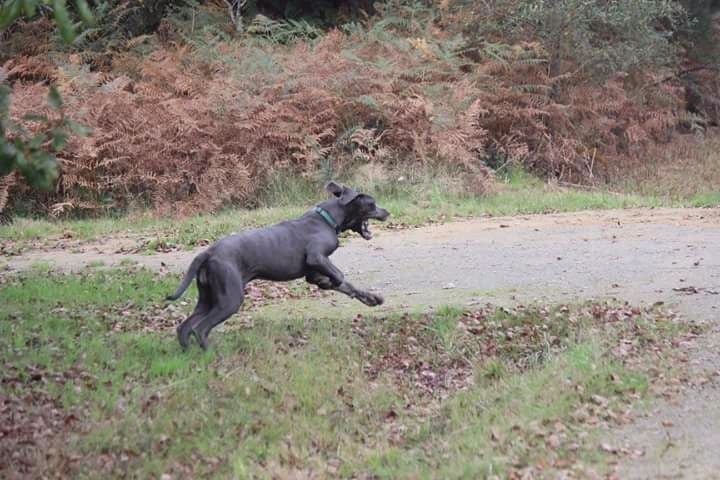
[603,37]
[142,16]
[11,10]
[32,153]
[328,12]
[700,34]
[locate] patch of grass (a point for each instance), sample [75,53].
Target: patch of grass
[413,199]
[520,414]
[185,232]
[437,208]
[706,200]
[448,394]
[41,267]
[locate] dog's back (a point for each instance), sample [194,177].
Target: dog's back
[272,253]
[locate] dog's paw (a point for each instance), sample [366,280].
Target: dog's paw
[372,299]
[182,336]
[201,337]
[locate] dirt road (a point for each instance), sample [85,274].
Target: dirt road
[642,256]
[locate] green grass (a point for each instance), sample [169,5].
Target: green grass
[441,395]
[706,200]
[184,232]
[414,201]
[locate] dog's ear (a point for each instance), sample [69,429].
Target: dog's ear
[345,194]
[348,195]
[334,188]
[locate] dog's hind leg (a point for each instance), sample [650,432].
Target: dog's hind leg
[217,314]
[227,292]
[202,307]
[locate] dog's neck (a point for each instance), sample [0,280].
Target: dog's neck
[337,211]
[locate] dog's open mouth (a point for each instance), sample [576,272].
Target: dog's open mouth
[363,226]
[365,230]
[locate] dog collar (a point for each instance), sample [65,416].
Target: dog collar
[328,218]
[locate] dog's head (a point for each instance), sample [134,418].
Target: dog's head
[359,208]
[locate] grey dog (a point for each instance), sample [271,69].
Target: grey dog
[286,251]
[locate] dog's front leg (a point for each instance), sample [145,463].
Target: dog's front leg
[328,277]
[369,299]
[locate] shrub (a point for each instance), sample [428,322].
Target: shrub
[189,135]
[573,88]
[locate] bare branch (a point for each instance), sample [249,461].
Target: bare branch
[235,8]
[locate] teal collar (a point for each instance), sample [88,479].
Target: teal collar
[327,217]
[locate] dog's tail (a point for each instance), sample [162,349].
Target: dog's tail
[188,278]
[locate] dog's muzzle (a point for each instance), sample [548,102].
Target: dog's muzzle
[379,214]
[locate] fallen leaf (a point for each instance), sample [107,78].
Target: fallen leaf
[606,447]
[553,441]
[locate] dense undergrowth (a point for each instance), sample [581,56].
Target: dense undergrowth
[196,116]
